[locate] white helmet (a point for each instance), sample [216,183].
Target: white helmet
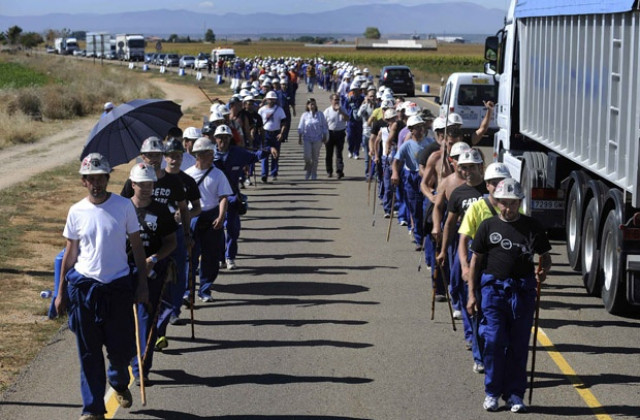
[213,107]
[387,96]
[245,85]
[454,119]
[222,109]
[222,130]
[244,92]
[275,80]
[271,95]
[387,103]
[255,84]
[411,109]
[458,148]
[414,120]
[388,90]
[94,164]
[439,123]
[108,106]
[215,116]
[248,98]
[141,172]
[202,145]
[354,86]
[192,133]
[470,156]
[496,170]
[390,113]
[151,145]
[508,188]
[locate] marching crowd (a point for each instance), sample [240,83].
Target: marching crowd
[179,215]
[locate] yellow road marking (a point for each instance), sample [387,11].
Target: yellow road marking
[110,401]
[567,370]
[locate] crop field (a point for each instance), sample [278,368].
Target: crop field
[15,75]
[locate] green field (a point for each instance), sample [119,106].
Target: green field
[14,75]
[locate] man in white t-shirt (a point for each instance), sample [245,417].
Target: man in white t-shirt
[274,125]
[207,228]
[95,280]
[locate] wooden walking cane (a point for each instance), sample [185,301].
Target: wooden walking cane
[393,202]
[433,292]
[446,295]
[535,333]
[171,274]
[192,293]
[143,396]
[369,186]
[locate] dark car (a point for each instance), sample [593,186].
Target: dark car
[399,79]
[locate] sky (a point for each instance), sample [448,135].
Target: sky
[43,7]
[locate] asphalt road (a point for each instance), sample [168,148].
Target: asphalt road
[326,320]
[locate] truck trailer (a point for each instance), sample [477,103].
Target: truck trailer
[98,44]
[130,47]
[568,117]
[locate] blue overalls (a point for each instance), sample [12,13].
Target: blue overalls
[101,315]
[354,125]
[232,164]
[209,243]
[507,307]
[470,323]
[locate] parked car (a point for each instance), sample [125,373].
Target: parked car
[160,59]
[186,61]
[172,60]
[50,50]
[398,78]
[80,53]
[148,57]
[201,62]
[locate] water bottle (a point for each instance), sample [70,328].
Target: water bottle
[46,294]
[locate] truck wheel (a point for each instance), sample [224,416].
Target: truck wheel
[573,225]
[534,175]
[613,286]
[589,247]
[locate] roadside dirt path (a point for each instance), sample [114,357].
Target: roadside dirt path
[21,162]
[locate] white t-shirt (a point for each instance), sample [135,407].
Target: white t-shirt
[214,186]
[335,120]
[271,117]
[102,230]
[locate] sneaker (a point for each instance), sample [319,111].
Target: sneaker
[161,343]
[404,223]
[356,157]
[490,403]
[340,175]
[395,213]
[248,182]
[440,298]
[478,367]
[274,178]
[457,314]
[206,298]
[516,405]
[174,320]
[387,215]
[124,398]
[264,179]
[92,417]
[186,301]
[349,155]
[231,264]
[468,345]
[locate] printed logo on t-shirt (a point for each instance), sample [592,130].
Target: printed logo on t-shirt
[151,220]
[495,238]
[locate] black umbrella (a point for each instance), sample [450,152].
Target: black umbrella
[120,133]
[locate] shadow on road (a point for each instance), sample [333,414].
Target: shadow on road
[212,345]
[281,322]
[176,415]
[292,288]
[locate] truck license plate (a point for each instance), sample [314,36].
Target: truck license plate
[547,205]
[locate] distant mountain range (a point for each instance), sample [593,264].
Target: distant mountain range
[437,18]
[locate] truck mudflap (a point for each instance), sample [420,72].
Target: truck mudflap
[633,279]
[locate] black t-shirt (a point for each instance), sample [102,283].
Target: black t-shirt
[155,223]
[377,125]
[425,153]
[510,246]
[167,190]
[463,196]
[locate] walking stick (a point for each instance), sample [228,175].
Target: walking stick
[205,94]
[424,243]
[446,295]
[192,293]
[369,185]
[143,396]
[535,334]
[393,202]
[433,292]
[171,266]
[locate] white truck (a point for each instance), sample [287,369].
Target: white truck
[568,114]
[65,46]
[225,54]
[130,47]
[98,44]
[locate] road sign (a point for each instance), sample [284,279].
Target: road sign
[158,46]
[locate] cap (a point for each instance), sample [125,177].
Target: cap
[108,106]
[141,172]
[94,164]
[191,133]
[222,130]
[152,145]
[459,148]
[414,120]
[470,156]
[496,170]
[508,188]
[202,145]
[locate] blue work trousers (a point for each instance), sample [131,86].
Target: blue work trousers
[270,140]
[386,190]
[506,329]
[415,202]
[469,323]
[232,225]
[354,136]
[208,247]
[176,290]
[101,315]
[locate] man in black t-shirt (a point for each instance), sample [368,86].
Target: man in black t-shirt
[507,243]
[157,231]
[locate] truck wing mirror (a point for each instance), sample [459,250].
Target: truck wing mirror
[491,46]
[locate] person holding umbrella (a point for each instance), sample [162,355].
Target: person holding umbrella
[95,278]
[158,233]
[505,245]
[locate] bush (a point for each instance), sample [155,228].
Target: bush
[60,103]
[16,128]
[27,102]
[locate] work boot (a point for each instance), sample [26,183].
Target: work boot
[124,398]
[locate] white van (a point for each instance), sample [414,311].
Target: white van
[464,94]
[226,54]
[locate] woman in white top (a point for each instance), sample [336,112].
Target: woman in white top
[313,131]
